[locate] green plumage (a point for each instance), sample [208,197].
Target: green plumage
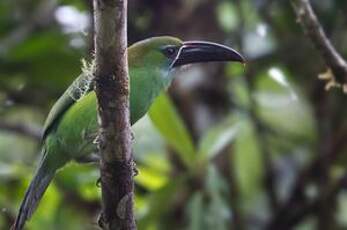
[71,126]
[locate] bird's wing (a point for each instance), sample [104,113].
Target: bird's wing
[80,87]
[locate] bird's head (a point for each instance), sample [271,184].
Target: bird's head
[151,62]
[168,53]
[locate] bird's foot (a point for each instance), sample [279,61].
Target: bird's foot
[135,170]
[132,136]
[101,220]
[98,182]
[96,140]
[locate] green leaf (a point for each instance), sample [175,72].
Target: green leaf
[217,138]
[342,209]
[171,126]
[80,179]
[227,16]
[217,213]
[150,178]
[196,212]
[247,161]
[208,209]
[160,202]
[148,142]
[239,91]
[281,106]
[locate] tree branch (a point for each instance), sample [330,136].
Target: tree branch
[315,32]
[22,129]
[112,90]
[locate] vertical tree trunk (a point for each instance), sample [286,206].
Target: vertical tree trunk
[112,90]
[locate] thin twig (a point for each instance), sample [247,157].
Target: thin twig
[315,32]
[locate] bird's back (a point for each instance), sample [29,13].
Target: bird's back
[80,87]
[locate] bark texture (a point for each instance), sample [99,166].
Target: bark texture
[112,90]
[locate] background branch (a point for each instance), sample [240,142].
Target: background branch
[315,32]
[22,129]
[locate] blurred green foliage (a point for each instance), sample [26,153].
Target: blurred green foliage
[204,170]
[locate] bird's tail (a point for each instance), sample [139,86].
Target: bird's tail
[34,194]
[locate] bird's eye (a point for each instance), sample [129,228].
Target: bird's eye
[170,51]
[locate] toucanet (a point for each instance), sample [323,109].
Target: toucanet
[71,125]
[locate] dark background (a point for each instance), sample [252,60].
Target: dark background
[230,147]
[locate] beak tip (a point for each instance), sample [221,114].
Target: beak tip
[244,62]
[237,57]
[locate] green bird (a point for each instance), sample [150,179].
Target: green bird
[71,126]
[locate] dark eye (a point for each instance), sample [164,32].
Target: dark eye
[170,51]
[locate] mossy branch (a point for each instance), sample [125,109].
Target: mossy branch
[112,90]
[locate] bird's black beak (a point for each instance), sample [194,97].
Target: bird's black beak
[199,51]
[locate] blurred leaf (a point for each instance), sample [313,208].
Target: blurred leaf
[215,183]
[39,44]
[12,171]
[80,178]
[166,119]
[276,80]
[247,161]
[76,220]
[16,149]
[217,213]
[251,16]
[227,16]
[217,138]
[342,209]
[158,162]
[208,209]
[258,44]
[76,3]
[44,60]
[239,92]
[196,212]
[277,75]
[148,143]
[150,178]
[235,70]
[281,106]
[161,201]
